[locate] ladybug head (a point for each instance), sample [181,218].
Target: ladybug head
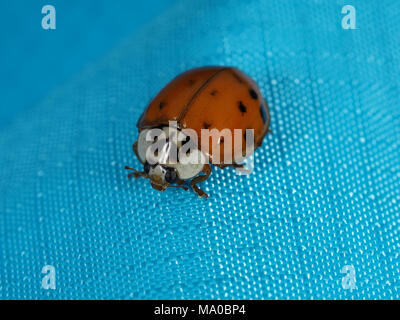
[160,176]
[163,164]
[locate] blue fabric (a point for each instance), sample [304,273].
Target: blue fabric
[325,192]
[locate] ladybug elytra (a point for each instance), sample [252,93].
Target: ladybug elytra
[172,145]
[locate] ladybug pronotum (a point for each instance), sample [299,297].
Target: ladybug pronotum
[202,98]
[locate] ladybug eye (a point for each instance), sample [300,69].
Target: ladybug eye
[146,168]
[170,175]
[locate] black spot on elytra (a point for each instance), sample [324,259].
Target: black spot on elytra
[191,82]
[253,94]
[214,92]
[263,113]
[206,125]
[161,105]
[242,108]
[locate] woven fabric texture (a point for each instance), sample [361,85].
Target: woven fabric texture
[324,194]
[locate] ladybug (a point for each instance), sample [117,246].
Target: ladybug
[202,98]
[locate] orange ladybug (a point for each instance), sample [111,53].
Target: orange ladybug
[207,99]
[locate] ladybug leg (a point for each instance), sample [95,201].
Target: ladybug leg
[135,173]
[238,165]
[195,181]
[233,165]
[241,167]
